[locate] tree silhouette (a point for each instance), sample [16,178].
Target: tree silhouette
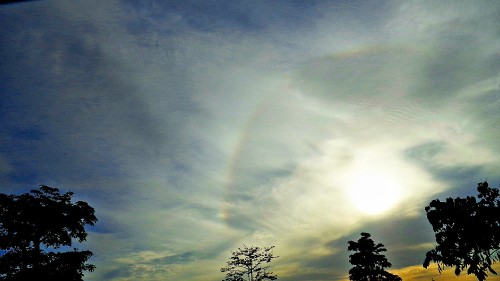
[3,2]
[467,232]
[249,262]
[368,261]
[31,224]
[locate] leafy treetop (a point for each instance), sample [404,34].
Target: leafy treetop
[467,232]
[43,219]
[368,261]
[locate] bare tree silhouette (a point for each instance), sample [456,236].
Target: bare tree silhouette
[250,262]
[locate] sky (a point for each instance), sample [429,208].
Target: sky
[196,127]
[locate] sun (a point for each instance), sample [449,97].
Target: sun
[373,193]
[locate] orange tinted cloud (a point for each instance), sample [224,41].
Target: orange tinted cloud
[419,273]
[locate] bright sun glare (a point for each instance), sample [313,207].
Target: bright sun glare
[373,193]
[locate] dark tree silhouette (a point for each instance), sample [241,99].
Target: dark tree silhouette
[2,2]
[368,261]
[467,232]
[249,262]
[31,224]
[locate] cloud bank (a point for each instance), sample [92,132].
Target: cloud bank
[194,127]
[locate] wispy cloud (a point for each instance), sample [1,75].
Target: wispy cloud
[194,127]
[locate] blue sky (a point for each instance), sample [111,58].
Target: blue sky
[193,127]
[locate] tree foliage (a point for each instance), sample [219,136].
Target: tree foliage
[467,232]
[368,261]
[31,224]
[250,262]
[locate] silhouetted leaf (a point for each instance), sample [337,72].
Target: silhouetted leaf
[368,262]
[467,232]
[43,219]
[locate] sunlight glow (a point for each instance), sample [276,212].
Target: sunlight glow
[373,193]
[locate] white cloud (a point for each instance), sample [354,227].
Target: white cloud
[201,140]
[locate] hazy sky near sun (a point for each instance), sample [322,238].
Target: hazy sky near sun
[194,127]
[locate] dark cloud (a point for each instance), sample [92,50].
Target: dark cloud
[83,102]
[402,237]
[46,69]
[116,273]
[425,153]
[461,178]
[214,16]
